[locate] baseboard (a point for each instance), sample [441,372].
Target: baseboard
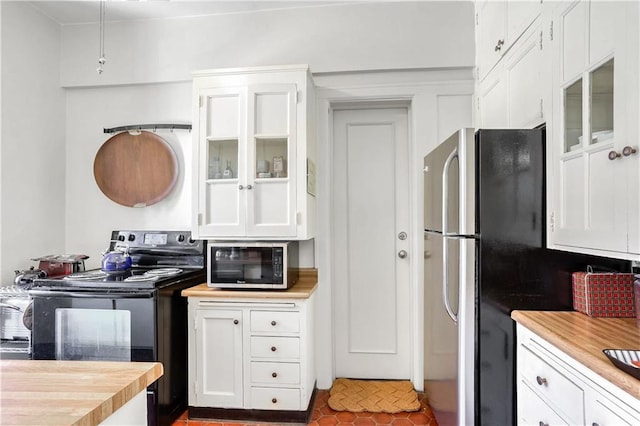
[275,416]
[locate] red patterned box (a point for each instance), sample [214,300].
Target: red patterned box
[599,294]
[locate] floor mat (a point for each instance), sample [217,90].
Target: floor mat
[374,396]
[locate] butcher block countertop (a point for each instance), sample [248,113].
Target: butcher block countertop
[583,338]
[303,289]
[69,392]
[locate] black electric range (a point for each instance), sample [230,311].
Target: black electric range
[136,315]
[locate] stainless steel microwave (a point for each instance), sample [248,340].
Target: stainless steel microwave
[252,265]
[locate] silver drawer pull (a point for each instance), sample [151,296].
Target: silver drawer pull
[273,349]
[541,381]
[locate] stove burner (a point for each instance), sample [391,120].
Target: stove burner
[87,275]
[163,272]
[143,277]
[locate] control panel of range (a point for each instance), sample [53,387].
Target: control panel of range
[150,240]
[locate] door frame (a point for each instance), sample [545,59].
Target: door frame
[326,211]
[419,90]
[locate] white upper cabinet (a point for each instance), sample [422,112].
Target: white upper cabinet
[499,25]
[253,139]
[593,138]
[514,86]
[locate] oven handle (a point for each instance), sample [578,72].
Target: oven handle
[90,295]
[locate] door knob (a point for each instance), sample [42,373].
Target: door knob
[628,150]
[402,236]
[613,155]
[402,254]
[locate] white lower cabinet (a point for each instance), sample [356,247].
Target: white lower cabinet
[554,389]
[251,354]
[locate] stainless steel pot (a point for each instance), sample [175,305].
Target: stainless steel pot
[24,279]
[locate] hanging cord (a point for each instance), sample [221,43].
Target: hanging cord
[101,58]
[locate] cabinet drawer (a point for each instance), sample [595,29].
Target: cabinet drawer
[532,410]
[556,388]
[275,321]
[275,347]
[275,398]
[281,373]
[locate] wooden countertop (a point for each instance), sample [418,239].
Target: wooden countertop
[82,393]
[303,289]
[583,338]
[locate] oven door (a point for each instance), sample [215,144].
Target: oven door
[94,326]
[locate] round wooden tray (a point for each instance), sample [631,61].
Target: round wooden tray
[135,169]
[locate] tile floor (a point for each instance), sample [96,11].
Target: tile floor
[323,415]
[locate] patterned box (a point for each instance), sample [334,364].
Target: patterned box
[601,294]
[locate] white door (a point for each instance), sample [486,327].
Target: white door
[370,196]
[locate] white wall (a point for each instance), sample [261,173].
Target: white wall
[348,37]
[90,215]
[33,140]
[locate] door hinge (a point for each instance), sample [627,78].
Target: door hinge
[541,108]
[551,31]
[540,39]
[552,221]
[298,218]
[476,18]
[478,103]
[201,101]
[199,219]
[195,387]
[298,96]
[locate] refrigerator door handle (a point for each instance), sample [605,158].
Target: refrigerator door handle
[445,190]
[445,233]
[445,281]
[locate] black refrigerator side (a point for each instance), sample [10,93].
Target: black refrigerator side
[515,270]
[510,208]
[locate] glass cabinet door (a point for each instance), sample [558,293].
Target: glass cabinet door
[601,99]
[222,132]
[573,116]
[271,160]
[272,129]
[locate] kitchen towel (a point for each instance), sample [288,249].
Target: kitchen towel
[374,396]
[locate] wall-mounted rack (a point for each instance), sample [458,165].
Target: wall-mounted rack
[153,127]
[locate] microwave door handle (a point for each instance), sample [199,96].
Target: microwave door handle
[445,190]
[445,280]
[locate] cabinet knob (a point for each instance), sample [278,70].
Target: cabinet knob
[236,322]
[541,380]
[240,187]
[249,186]
[273,323]
[594,424]
[541,423]
[273,348]
[614,155]
[628,150]
[274,374]
[498,45]
[274,400]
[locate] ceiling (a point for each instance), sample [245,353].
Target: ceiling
[84,11]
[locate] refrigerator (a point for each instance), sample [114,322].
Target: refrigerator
[484,204]
[485,255]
